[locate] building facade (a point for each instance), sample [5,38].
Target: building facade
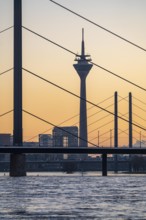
[65,136]
[45,140]
[5,139]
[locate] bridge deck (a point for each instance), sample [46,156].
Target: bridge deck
[89,150]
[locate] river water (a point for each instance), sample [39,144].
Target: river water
[73,196]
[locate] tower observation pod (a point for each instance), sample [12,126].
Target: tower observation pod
[83,67]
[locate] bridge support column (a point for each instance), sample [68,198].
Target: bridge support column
[116,132]
[17,161]
[130,129]
[17,165]
[104,164]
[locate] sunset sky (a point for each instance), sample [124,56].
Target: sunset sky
[124,17]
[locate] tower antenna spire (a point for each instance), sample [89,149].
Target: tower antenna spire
[83,44]
[82,34]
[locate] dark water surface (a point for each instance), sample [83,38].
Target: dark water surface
[61,196]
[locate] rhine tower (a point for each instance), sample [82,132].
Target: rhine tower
[83,67]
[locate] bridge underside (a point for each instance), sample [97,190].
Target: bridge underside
[17,164]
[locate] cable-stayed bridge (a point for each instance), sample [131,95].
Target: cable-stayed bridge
[18,110]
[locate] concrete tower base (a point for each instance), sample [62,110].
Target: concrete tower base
[17,165]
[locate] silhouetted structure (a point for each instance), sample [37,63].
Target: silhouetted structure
[45,140]
[65,137]
[116,121]
[83,67]
[130,120]
[130,129]
[5,139]
[17,161]
[116,129]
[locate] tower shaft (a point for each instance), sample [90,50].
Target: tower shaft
[83,115]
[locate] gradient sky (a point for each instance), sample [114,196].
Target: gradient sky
[124,17]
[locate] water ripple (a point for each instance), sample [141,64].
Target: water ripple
[73,197]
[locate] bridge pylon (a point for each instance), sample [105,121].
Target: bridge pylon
[17,161]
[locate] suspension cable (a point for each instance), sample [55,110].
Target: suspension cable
[52,42]
[135,104]
[5,30]
[104,116]
[139,116]
[100,127]
[139,100]
[103,68]
[118,134]
[6,71]
[127,134]
[71,118]
[6,113]
[99,26]
[101,135]
[77,96]
[139,107]
[105,124]
[98,120]
[41,119]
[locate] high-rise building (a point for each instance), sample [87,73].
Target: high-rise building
[83,67]
[65,136]
[45,140]
[5,139]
